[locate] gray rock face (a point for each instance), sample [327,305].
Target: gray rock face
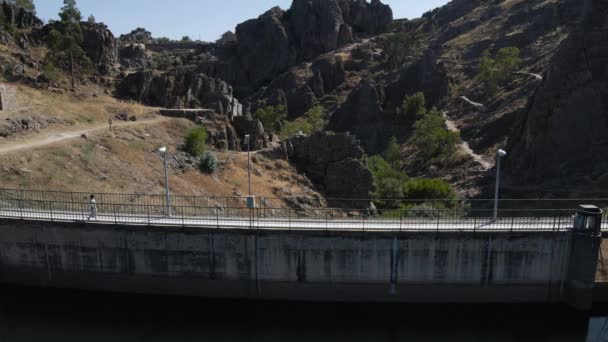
[99,43]
[180,89]
[268,46]
[318,27]
[362,115]
[367,18]
[245,125]
[334,163]
[264,48]
[562,139]
[138,36]
[133,55]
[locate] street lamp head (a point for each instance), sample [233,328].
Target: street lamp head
[162,149]
[501,153]
[247,137]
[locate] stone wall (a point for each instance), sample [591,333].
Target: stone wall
[8,97]
[294,265]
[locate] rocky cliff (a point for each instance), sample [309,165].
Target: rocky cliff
[334,163]
[561,141]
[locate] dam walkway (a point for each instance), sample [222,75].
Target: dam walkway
[274,214]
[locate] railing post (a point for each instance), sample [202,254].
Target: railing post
[400,220]
[20,204]
[217,216]
[289,217]
[148,210]
[51,210]
[115,214]
[183,223]
[326,219]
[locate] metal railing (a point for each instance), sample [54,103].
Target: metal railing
[274,213]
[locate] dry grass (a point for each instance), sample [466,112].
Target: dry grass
[125,162]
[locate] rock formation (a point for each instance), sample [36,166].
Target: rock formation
[180,89]
[99,43]
[318,27]
[19,17]
[561,140]
[362,115]
[334,163]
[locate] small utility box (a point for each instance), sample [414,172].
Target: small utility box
[251,202]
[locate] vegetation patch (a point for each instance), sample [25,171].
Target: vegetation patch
[195,141]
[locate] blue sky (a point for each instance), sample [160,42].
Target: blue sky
[206,19]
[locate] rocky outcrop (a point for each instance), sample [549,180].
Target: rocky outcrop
[133,55]
[19,17]
[318,27]
[246,125]
[367,18]
[561,140]
[33,123]
[99,43]
[264,48]
[180,89]
[138,36]
[269,45]
[362,115]
[334,163]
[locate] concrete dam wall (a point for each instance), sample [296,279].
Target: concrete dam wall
[296,265]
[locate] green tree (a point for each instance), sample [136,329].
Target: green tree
[28,5]
[186,39]
[91,19]
[497,71]
[65,42]
[312,121]
[413,107]
[195,141]
[399,47]
[271,117]
[432,138]
[392,154]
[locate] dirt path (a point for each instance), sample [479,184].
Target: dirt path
[41,141]
[465,145]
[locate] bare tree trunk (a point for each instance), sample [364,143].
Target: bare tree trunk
[72,70]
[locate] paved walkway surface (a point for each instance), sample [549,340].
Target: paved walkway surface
[338,224]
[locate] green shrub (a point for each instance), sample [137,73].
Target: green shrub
[50,71]
[432,138]
[195,141]
[291,129]
[207,163]
[312,121]
[399,47]
[413,107]
[271,117]
[497,71]
[392,154]
[427,189]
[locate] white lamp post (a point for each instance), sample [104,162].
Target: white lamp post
[499,155]
[163,150]
[250,199]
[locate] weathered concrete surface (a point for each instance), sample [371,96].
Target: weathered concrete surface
[318,266]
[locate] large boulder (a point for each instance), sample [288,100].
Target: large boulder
[561,140]
[334,163]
